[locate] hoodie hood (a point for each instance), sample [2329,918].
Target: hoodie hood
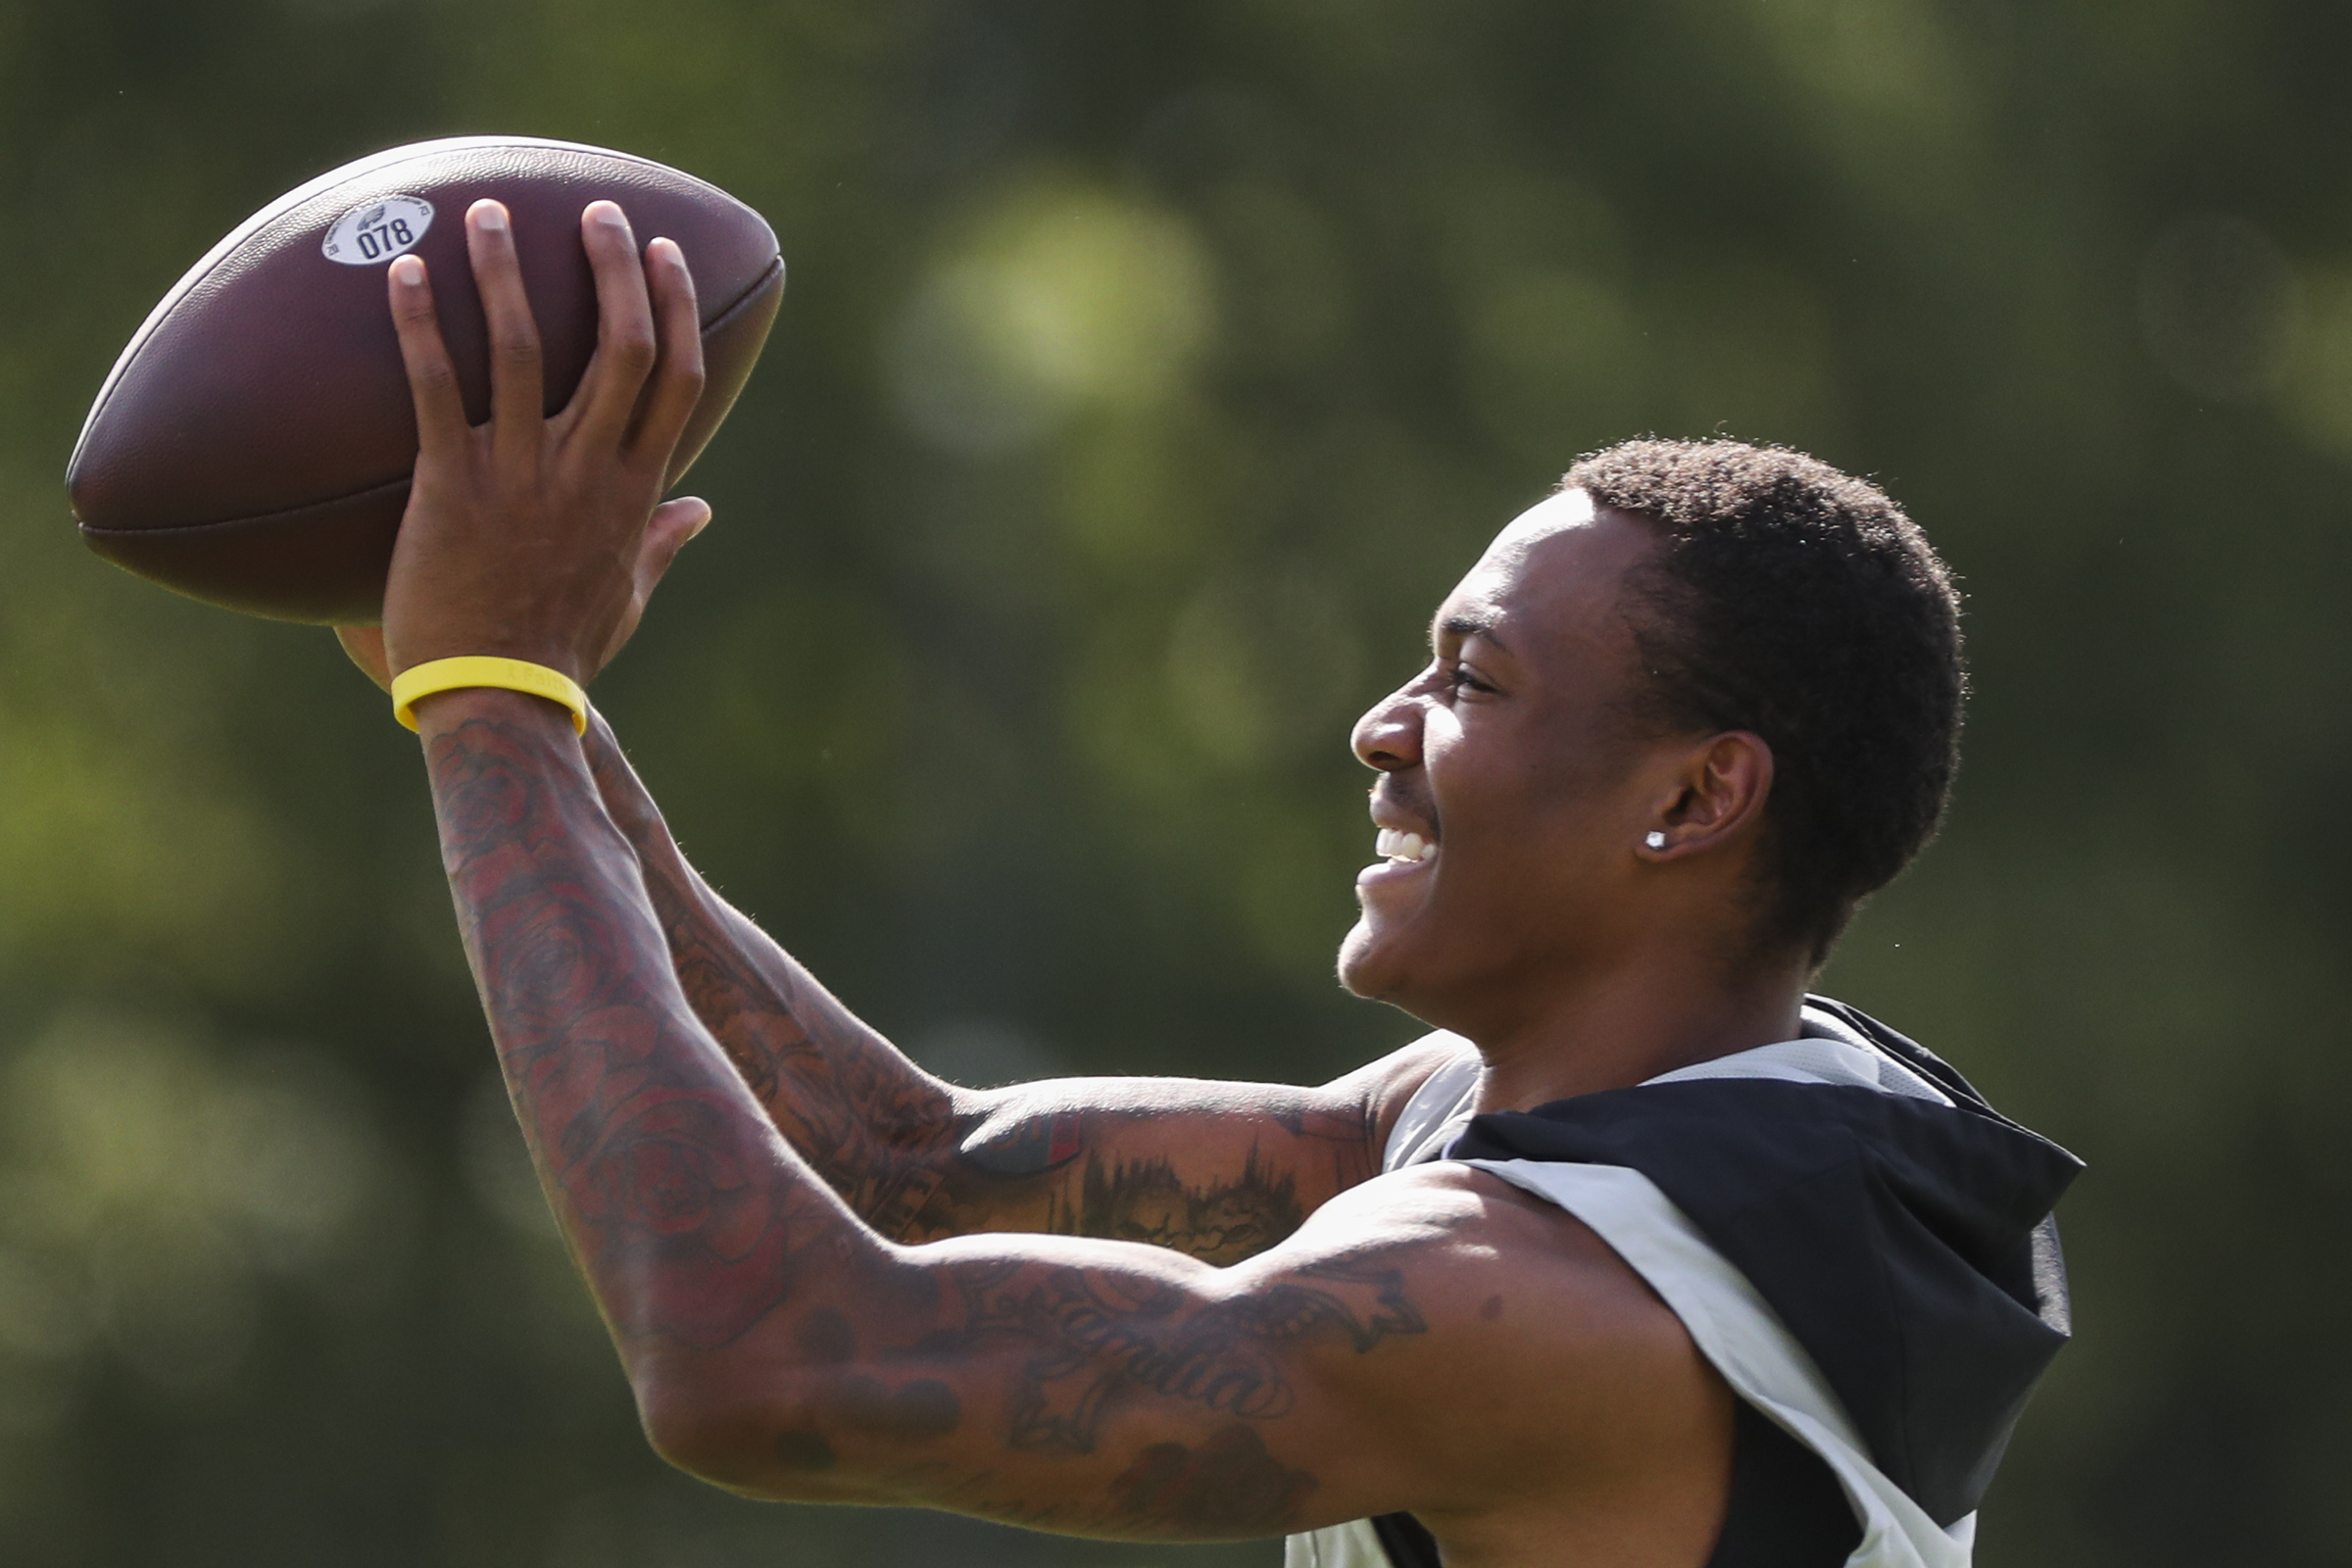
[1907,1244]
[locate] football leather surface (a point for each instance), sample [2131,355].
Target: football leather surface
[254,444]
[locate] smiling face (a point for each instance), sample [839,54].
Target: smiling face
[1513,794]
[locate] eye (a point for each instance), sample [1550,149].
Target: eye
[1459,678]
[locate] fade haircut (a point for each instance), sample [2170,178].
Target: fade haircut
[1795,601]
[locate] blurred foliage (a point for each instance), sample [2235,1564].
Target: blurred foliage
[1148,373]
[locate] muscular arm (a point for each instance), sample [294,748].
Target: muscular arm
[780,1346]
[1215,1170]
[777,1344]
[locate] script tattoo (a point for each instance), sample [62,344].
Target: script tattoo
[1099,1340]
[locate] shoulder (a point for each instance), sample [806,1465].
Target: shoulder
[1520,1355]
[1531,1275]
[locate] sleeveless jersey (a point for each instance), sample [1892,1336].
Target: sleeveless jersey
[1853,1239]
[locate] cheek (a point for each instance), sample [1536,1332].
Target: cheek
[1527,818]
[1487,790]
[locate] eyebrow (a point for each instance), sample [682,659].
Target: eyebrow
[1474,623]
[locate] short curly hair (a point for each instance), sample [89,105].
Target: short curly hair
[1800,604]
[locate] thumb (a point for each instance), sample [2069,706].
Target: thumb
[673,524]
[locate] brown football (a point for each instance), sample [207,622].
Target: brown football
[252,446]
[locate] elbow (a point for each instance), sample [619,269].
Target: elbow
[775,1447]
[689,1434]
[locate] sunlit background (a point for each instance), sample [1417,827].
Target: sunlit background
[1146,374]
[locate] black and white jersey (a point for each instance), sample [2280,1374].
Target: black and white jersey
[1852,1236]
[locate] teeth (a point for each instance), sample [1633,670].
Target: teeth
[1398,846]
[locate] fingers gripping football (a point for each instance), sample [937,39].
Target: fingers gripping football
[679,376]
[518,390]
[626,346]
[535,537]
[432,378]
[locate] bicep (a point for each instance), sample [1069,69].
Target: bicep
[1098,1389]
[1219,1171]
[1081,1385]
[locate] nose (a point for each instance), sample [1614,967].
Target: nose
[1388,737]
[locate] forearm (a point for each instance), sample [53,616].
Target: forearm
[1218,1171]
[682,1205]
[775,1342]
[876,1126]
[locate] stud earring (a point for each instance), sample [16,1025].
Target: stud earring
[1657,840]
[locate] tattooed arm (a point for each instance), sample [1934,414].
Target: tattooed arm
[1216,1170]
[1380,1358]
[781,1348]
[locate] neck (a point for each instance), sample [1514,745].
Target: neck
[1614,1030]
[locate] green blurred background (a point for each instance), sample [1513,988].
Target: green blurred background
[1148,373]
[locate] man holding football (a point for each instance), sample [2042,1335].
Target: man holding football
[1645,1259]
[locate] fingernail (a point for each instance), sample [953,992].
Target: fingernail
[489,216]
[608,214]
[408,272]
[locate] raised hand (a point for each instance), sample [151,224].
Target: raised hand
[534,537]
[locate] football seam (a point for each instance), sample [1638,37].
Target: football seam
[775,265]
[401,483]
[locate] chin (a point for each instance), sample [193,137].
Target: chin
[1351,964]
[1366,968]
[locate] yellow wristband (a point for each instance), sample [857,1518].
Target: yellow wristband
[514,674]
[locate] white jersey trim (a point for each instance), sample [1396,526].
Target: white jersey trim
[1353,1544]
[1823,1058]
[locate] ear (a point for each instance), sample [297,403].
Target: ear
[1718,796]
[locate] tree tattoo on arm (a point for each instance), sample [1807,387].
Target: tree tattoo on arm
[895,1142]
[697,1226]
